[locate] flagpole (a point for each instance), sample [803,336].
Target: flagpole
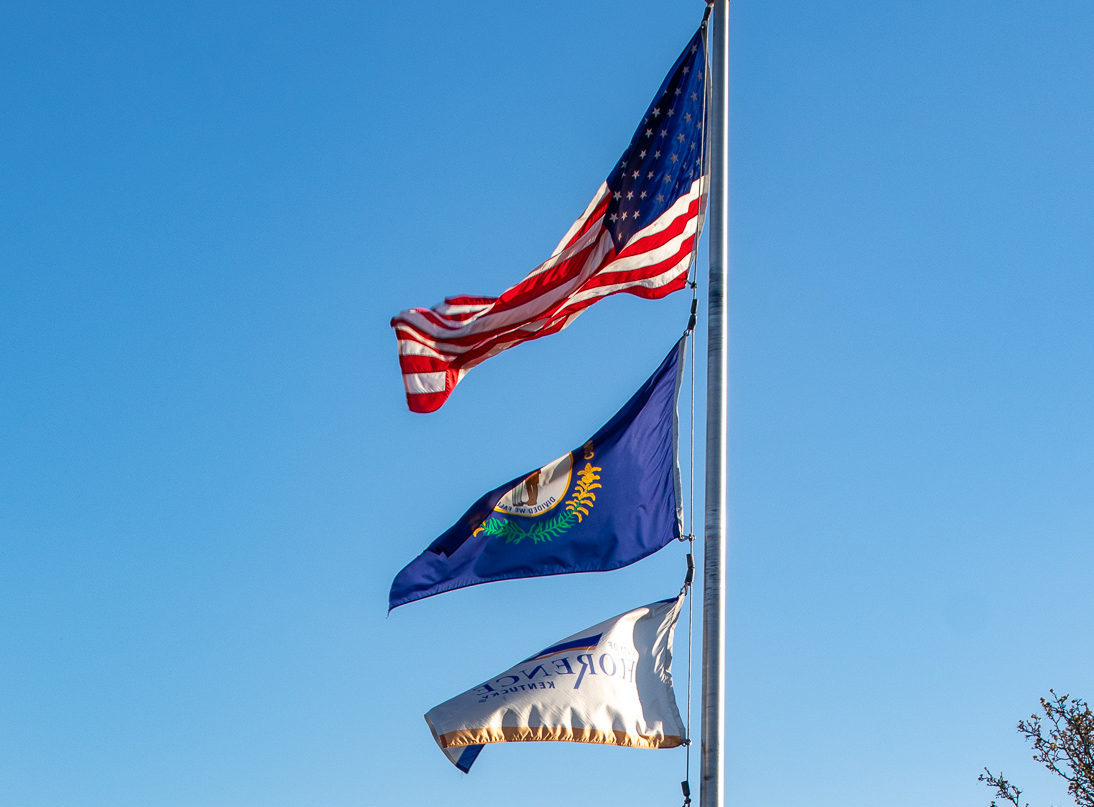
[712,765]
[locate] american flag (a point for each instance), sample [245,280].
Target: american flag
[636,236]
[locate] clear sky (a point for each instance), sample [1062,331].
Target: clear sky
[208,476]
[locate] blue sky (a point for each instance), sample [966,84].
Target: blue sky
[208,476]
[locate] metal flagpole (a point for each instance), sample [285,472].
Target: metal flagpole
[712,765]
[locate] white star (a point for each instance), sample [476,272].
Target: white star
[630,194]
[649,175]
[642,195]
[677,91]
[636,174]
[680,137]
[617,196]
[664,132]
[674,158]
[657,155]
[694,48]
[666,177]
[695,96]
[614,218]
[649,133]
[660,198]
[672,111]
[642,154]
[687,118]
[634,215]
[686,70]
[656,112]
[624,217]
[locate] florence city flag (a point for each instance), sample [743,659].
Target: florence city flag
[610,684]
[636,236]
[611,501]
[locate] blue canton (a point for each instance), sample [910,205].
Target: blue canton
[665,155]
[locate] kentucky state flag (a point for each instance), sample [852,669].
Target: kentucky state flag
[608,503]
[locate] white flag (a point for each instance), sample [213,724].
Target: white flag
[610,684]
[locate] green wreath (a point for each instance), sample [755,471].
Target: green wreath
[574,511]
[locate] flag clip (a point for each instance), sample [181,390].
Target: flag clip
[689,576]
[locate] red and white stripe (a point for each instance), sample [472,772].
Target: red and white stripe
[438,345]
